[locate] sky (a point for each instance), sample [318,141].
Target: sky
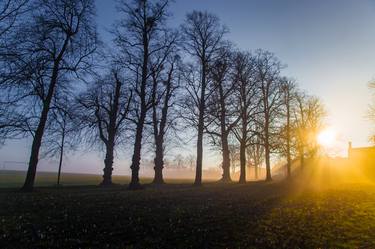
[327,45]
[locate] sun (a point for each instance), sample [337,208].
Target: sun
[327,137]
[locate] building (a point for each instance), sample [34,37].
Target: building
[361,153]
[363,157]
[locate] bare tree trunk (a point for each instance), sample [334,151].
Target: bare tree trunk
[159,162]
[37,141]
[226,159]
[268,163]
[134,183]
[108,163]
[243,162]
[257,161]
[198,172]
[33,162]
[289,160]
[61,157]
[159,132]
[267,151]
[224,132]
[112,130]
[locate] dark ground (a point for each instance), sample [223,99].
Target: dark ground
[255,215]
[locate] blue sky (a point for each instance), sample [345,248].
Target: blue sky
[328,46]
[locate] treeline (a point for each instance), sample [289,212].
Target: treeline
[64,88]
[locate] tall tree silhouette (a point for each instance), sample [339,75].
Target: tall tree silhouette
[11,13]
[247,101]
[165,83]
[105,108]
[221,105]
[51,47]
[202,36]
[139,36]
[62,131]
[301,126]
[255,151]
[308,120]
[268,75]
[288,88]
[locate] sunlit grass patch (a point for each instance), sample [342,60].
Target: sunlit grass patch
[338,218]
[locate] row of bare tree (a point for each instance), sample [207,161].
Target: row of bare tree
[63,87]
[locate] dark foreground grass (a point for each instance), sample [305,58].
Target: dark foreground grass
[255,215]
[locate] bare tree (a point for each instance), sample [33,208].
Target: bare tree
[62,134]
[105,108]
[221,107]
[178,161]
[247,102]
[301,126]
[268,77]
[234,154]
[165,83]
[315,114]
[139,36]
[10,12]
[255,150]
[202,36]
[308,117]
[288,88]
[50,48]
[190,160]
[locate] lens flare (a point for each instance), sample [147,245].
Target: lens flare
[327,137]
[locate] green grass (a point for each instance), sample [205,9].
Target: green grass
[15,179]
[279,214]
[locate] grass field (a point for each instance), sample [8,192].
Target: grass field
[15,179]
[300,213]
